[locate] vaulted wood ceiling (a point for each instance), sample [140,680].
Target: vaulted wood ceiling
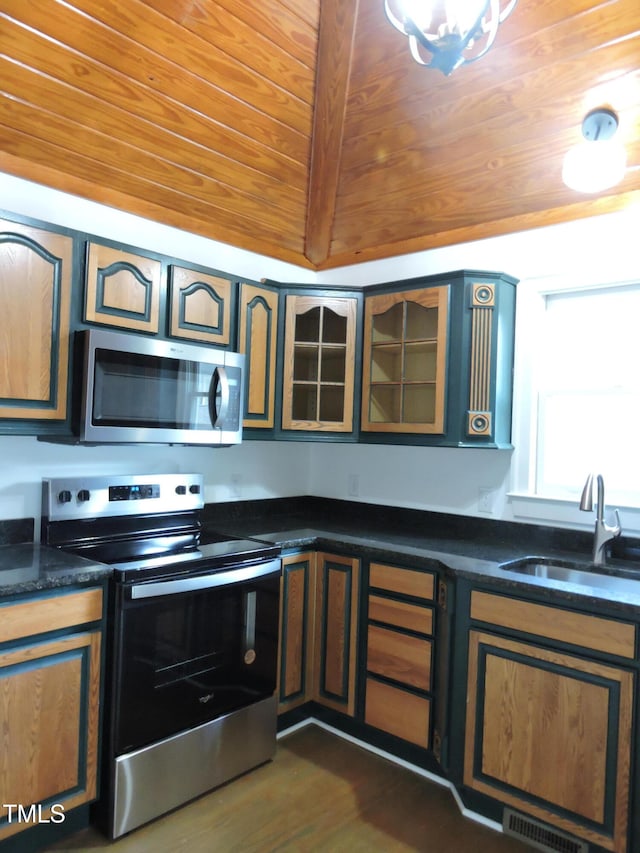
[303,130]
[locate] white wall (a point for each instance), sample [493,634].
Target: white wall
[436,478]
[253,470]
[442,479]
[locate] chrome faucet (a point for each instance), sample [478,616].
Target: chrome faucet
[603,532]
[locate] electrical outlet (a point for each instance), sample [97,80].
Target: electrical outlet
[353,485]
[485,500]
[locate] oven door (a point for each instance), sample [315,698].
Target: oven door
[193,648]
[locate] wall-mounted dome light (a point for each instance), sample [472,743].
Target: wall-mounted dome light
[447,35]
[598,162]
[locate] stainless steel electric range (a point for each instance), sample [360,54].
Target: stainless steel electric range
[192,640]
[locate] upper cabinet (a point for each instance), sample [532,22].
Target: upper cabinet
[200,307]
[422,361]
[404,364]
[319,363]
[122,289]
[35,295]
[438,361]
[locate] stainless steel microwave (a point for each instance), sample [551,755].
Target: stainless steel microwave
[143,390]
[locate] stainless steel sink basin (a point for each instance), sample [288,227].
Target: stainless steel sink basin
[583,574]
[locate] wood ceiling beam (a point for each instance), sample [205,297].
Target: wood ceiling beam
[335,50]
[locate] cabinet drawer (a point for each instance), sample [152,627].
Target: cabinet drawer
[49,614]
[415,617]
[404,581]
[580,629]
[399,656]
[397,712]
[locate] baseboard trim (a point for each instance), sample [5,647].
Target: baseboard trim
[444,783]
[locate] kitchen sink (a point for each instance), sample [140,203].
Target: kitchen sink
[614,577]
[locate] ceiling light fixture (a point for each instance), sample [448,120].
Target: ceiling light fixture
[445,34]
[599,161]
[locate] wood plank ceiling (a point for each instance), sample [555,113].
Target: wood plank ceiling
[303,130]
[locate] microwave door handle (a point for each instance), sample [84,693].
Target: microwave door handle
[218,378]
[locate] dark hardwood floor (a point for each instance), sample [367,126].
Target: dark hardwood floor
[320,793]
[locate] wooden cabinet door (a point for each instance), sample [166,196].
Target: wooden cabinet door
[200,307]
[258,327]
[49,711]
[549,734]
[35,295]
[336,631]
[122,289]
[297,602]
[404,365]
[319,363]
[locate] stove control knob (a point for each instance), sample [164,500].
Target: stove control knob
[181,490]
[84,495]
[64,497]
[195,489]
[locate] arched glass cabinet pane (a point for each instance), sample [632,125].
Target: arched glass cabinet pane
[404,364]
[319,363]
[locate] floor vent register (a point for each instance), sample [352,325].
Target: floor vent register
[539,835]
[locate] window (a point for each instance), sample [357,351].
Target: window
[583,388]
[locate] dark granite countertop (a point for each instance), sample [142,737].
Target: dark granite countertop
[459,548]
[26,568]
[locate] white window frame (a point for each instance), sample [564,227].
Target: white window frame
[526,505]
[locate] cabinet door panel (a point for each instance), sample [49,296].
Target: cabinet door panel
[549,734]
[258,341]
[336,628]
[200,307]
[404,364]
[122,289]
[295,674]
[35,294]
[319,363]
[49,709]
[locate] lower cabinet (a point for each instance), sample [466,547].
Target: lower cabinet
[49,707]
[548,731]
[318,636]
[400,628]
[532,717]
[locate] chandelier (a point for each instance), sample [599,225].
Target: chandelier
[446,34]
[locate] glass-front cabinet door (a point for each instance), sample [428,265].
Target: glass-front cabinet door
[404,366]
[319,363]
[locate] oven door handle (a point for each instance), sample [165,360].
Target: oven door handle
[242,574]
